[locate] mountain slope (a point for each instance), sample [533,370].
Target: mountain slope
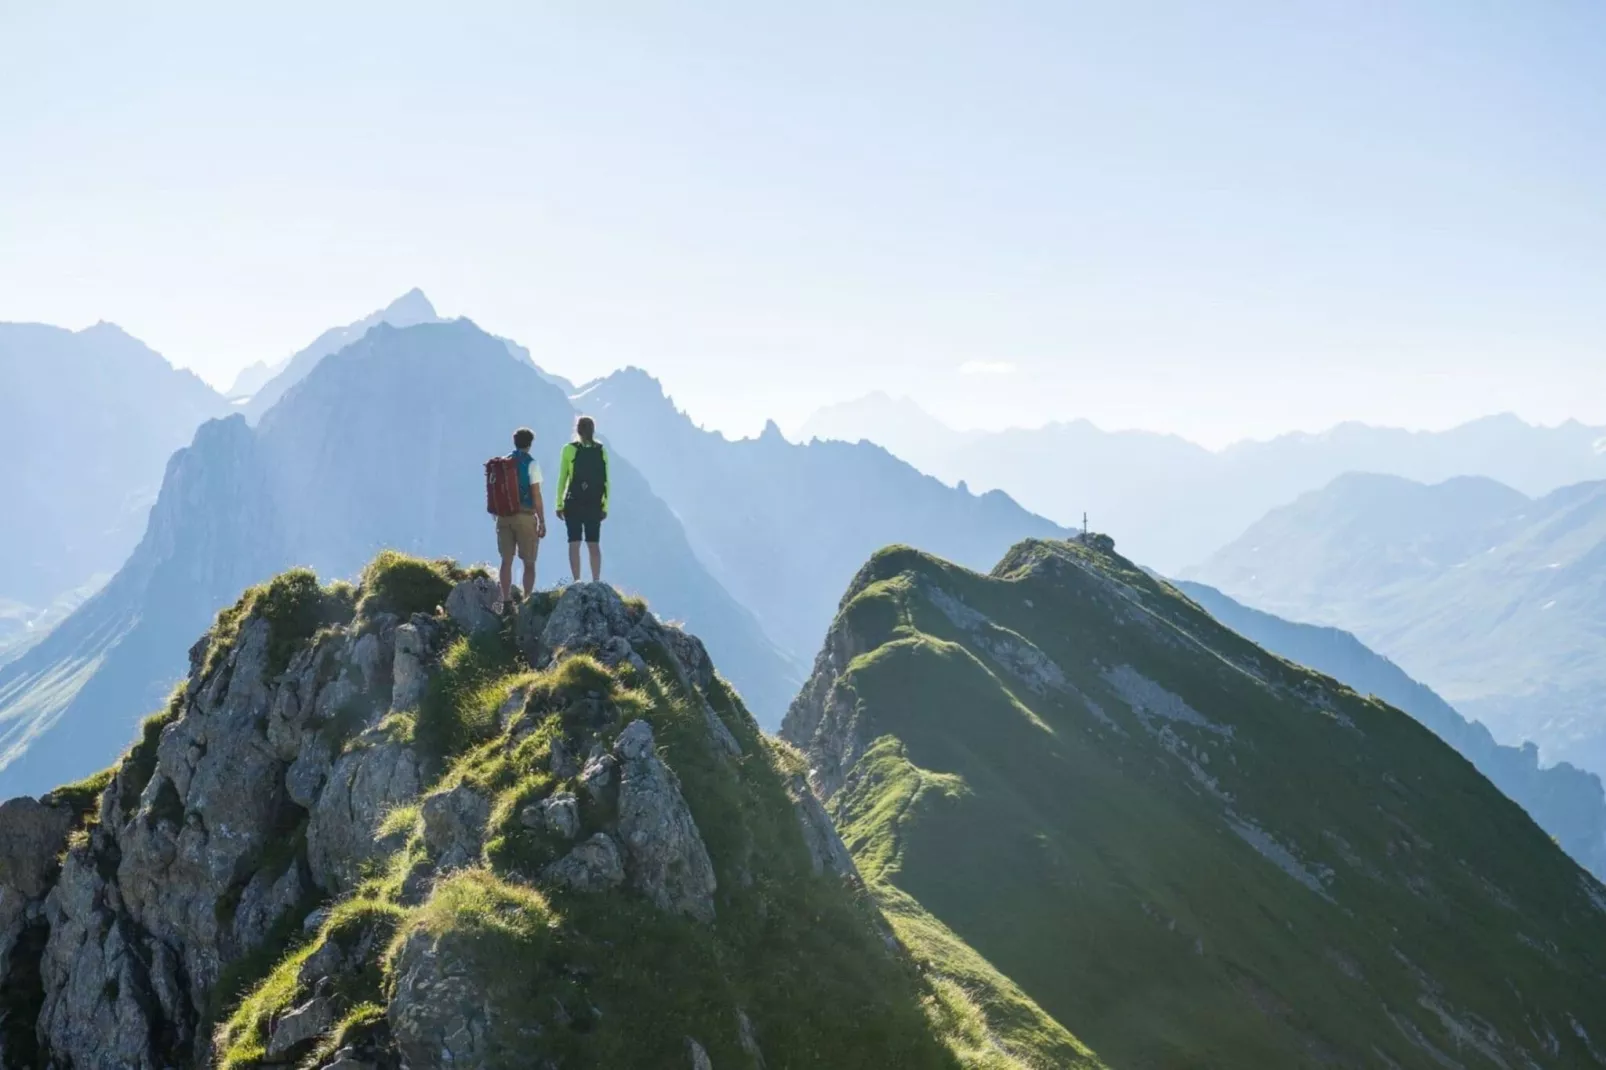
[1565,801]
[1187,851]
[1135,483]
[372,832]
[270,383]
[1495,600]
[88,419]
[784,527]
[380,446]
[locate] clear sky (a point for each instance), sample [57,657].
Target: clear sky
[1220,219]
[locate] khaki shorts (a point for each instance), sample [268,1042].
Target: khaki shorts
[517,532]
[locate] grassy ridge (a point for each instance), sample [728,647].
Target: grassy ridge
[1298,876]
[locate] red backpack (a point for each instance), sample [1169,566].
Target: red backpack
[502,486]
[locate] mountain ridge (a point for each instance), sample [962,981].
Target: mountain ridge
[1186,850]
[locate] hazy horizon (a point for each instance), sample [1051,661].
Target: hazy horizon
[1223,224]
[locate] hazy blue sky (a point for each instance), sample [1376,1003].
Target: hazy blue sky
[1220,218]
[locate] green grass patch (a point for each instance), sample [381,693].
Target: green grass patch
[460,705]
[295,608]
[394,582]
[82,797]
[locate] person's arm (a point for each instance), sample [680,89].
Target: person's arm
[565,473]
[535,494]
[606,481]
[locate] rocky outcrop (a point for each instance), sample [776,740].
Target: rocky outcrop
[664,853]
[266,795]
[258,798]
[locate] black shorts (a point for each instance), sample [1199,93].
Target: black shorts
[585,525]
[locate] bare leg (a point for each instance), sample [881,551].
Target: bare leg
[596,561]
[529,577]
[507,576]
[574,560]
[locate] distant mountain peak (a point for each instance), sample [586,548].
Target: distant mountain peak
[410,308]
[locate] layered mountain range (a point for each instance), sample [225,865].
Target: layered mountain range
[1494,599]
[88,420]
[1137,483]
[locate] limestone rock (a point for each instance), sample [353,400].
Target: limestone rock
[32,835]
[454,826]
[559,815]
[593,866]
[665,858]
[586,617]
[408,675]
[528,624]
[267,898]
[471,604]
[599,775]
[827,852]
[377,775]
[301,1026]
[748,1038]
[439,1013]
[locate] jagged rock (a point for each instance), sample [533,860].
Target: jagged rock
[699,1057]
[32,835]
[748,1038]
[301,1026]
[267,898]
[690,654]
[598,775]
[373,653]
[827,852]
[593,866]
[438,1013]
[347,1060]
[511,707]
[586,617]
[310,770]
[665,858]
[472,605]
[528,624]
[454,826]
[408,676]
[377,775]
[558,814]
[720,735]
[563,762]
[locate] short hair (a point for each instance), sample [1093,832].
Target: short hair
[523,438]
[586,428]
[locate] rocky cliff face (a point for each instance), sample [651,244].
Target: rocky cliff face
[387,828]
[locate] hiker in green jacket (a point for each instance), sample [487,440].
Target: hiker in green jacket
[583,495]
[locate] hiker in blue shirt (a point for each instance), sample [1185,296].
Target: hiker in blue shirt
[523,531]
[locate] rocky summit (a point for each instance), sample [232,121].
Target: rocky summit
[1188,851]
[383,826]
